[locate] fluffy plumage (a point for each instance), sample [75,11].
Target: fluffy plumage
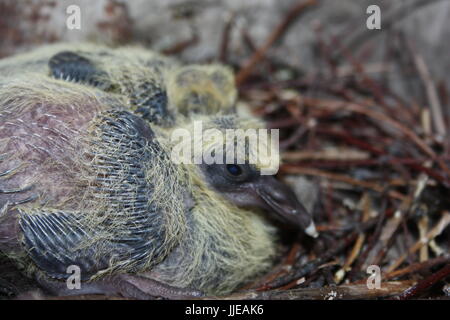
[86,177]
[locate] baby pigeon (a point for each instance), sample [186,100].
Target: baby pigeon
[144,79]
[88,178]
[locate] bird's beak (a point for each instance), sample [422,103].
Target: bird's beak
[283,203]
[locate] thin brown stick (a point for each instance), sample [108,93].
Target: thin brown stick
[224,44]
[418,267]
[430,88]
[425,284]
[342,178]
[381,118]
[437,230]
[388,21]
[354,253]
[350,291]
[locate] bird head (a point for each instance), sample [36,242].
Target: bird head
[238,158]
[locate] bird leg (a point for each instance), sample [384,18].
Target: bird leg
[125,285]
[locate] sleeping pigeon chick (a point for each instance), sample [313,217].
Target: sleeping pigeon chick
[87,182]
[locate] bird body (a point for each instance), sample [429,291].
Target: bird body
[86,177]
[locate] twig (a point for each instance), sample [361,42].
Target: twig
[437,230]
[372,240]
[392,224]
[422,225]
[433,98]
[350,291]
[223,50]
[332,154]
[426,265]
[389,19]
[314,264]
[381,118]
[354,253]
[342,178]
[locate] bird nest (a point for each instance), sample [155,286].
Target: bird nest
[380,159]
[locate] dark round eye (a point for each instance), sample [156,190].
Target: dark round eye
[234,169]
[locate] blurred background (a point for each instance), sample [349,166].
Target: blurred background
[364,117]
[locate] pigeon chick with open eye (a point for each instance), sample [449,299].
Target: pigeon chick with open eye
[231,228]
[87,182]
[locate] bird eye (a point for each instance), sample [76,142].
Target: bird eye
[234,169]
